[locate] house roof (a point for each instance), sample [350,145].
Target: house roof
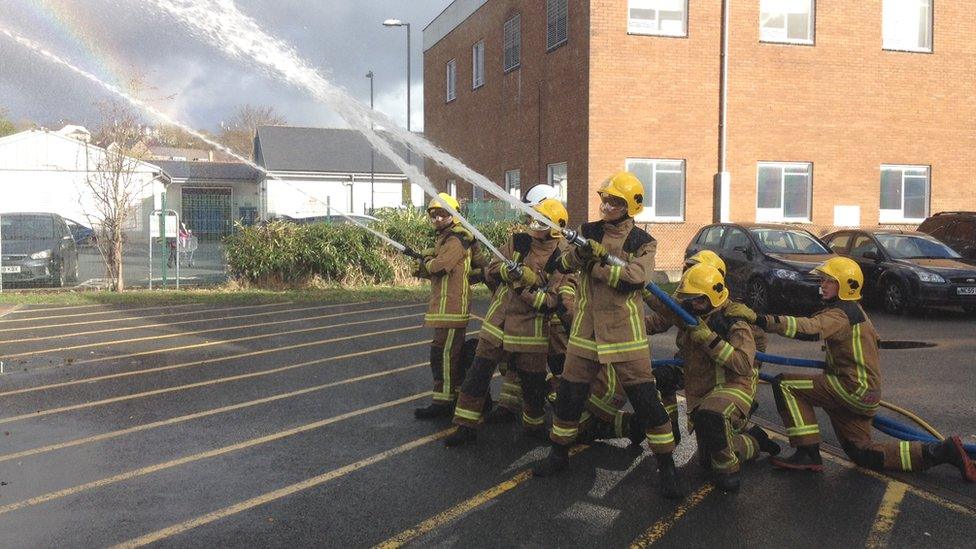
[179,169]
[327,150]
[194,154]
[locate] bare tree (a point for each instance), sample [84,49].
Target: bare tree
[238,134]
[115,185]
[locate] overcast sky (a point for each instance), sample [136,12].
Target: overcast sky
[192,81]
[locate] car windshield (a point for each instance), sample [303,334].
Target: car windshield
[901,246]
[786,241]
[26,227]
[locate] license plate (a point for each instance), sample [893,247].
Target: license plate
[968,290]
[16,269]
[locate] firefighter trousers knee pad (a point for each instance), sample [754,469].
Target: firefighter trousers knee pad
[467,356]
[556,363]
[711,426]
[778,392]
[437,362]
[647,406]
[863,457]
[570,400]
[534,388]
[478,377]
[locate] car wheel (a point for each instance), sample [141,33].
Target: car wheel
[894,298]
[757,295]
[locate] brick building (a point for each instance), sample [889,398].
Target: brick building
[836,113]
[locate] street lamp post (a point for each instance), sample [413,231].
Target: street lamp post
[372,152]
[398,23]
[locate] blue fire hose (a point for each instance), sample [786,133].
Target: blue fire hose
[886,425]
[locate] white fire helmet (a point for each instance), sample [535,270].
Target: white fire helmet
[540,192]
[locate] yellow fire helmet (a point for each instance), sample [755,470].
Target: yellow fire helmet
[434,204]
[554,211]
[707,257]
[703,280]
[847,273]
[625,185]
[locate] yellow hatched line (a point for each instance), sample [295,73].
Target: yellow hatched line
[198,415]
[165,390]
[658,530]
[99,313]
[250,443]
[884,521]
[196,332]
[131,318]
[280,493]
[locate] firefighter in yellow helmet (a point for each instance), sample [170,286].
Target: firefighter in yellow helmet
[849,390]
[609,328]
[448,266]
[517,324]
[720,373]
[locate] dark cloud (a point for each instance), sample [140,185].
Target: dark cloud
[185,77]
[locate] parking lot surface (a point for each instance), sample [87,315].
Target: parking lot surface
[291,425]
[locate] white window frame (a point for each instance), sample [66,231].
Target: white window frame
[781,36]
[776,215]
[451,80]
[650,27]
[649,214]
[514,190]
[898,216]
[563,186]
[512,40]
[452,187]
[892,43]
[552,19]
[478,64]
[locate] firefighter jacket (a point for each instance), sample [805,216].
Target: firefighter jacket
[519,318]
[723,365]
[609,322]
[851,342]
[448,271]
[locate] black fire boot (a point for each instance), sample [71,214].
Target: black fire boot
[501,415]
[805,458]
[556,462]
[950,451]
[462,435]
[670,484]
[766,444]
[433,411]
[727,482]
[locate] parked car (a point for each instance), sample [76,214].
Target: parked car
[906,270]
[768,265]
[83,236]
[37,248]
[957,229]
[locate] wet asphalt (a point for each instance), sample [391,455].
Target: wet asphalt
[291,425]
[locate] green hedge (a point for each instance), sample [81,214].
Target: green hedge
[282,253]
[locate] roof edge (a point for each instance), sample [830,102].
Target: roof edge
[454,14]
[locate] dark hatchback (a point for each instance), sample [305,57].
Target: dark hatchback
[37,248]
[957,229]
[906,270]
[768,265]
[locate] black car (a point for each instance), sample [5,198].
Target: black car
[768,265]
[907,269]
[957,229]
[37,248]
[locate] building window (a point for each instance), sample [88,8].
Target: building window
[787,21]
[664,188]
[513,183]
[558,179]
[478,65]
[452,187]
[907,25]
[513,42]
[451,79]
[557,20]
[783,192]
[658,17]
[904,194]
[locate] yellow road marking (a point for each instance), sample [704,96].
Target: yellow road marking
[197,332]
[887,514]
[165,390]
[661,527]
[131,318]
[460,509]
[215,360]
[109,312]
[280,493]
[142,471]
[198,415]
[183,322]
